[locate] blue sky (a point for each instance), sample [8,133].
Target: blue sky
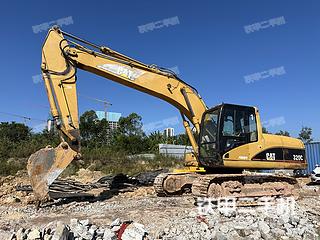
[209,46]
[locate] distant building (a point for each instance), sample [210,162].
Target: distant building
[168,132]
[112,119]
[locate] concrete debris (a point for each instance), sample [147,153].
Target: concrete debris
[152,217]
[134,231]
[84,230]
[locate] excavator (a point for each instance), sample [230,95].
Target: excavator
[229,146]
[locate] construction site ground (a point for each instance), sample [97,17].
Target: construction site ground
[161,217]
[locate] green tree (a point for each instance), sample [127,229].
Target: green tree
[264,130]
[182,139]
[306,134]
[153,141]
[131,125]
[283,133]
[88,126]
[94,132]
[14,132]
[129,137]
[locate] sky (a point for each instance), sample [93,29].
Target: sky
[258,53]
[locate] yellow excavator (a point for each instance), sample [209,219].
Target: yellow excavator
[226,139]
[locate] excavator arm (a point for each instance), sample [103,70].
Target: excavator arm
[62,55]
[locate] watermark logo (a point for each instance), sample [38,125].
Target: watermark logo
[281,206]
[172,21]
[47,25]
[37,78]
[175,69]
[273,22]
[153,126]
[277,71]
[273,122]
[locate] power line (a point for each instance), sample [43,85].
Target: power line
[95,99]
[23,117]
[105,103]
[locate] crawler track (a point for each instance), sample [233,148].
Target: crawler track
[248,190]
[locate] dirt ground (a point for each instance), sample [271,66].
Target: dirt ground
[157,214]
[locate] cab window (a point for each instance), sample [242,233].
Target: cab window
[238,127]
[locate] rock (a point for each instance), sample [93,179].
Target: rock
[115,228]
[20,234]
[100,232]
[34,234]
[74,222]
[227,212]
[224,228]
[116,222]
[234,235]
[11,200]
[278,232]
[294,220]
[303,221]
[255,235]
[220,236]
[62,232]
[135,231]
[85,222]
[284,238]
[264,229]
[92,231]
[284,219]
[47,237]
[109,235]
[301,231]
[288,226]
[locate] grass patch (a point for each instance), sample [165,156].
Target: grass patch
[12,166]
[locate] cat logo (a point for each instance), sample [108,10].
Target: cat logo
[122,71]
[271,156]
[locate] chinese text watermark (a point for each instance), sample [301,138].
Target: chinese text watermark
[264,24]
[47,25]
[251,78]
[273,122]
[160,124]
[159,24]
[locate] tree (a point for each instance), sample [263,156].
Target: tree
[182,139]
[14,132]
[88,126]
[94,132]
[264,130]
[283,133]
[305,134]
[154,139]
[129,137]
[131,125]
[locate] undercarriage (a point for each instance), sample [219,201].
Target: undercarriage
[245,188]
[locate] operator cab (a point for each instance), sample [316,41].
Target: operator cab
[223,128]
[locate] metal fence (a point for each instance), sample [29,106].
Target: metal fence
[313,155]
[177,151]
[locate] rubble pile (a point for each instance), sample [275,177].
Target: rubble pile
[83,230]
[244,223]
[151,217]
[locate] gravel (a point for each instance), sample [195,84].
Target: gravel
[140,214]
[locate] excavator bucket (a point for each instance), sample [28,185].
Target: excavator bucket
[45,165]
